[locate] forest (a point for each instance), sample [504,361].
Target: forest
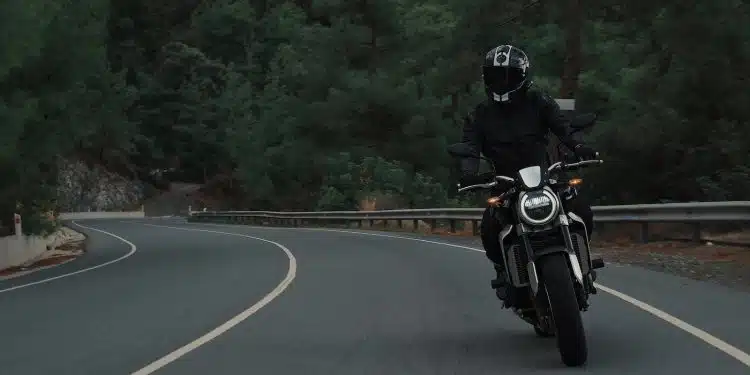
[326,104]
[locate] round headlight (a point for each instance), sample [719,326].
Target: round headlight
[538,207]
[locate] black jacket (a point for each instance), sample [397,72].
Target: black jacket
[515,136]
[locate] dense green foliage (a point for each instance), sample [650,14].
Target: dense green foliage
[321,104]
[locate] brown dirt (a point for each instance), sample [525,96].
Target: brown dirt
[60,254]
[726,265]
[44,262]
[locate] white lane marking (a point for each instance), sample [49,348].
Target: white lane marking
[687,327]
[132,251]
[706,337]
[239,318]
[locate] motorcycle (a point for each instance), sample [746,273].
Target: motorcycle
[550,273]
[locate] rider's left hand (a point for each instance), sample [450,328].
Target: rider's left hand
[584,152]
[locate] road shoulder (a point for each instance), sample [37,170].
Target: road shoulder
[67,245]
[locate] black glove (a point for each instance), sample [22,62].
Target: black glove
[585,153]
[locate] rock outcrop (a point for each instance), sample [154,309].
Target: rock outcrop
[93,188]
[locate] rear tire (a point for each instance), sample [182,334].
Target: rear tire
[558,281]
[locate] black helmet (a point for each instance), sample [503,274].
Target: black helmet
[506,73]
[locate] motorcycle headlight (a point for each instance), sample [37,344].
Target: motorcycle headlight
[538,207]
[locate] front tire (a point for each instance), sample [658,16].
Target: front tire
[566,314]
[542,333]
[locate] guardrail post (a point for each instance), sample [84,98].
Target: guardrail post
[372,223]
[644,233]
[475,227]
[416,225]
[697,232]
[18,225]
[400,224]
[433,225]
[453,226]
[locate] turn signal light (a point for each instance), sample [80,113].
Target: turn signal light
[575,181]
[494,201]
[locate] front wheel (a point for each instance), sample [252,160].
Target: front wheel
[557,279]
[542,332]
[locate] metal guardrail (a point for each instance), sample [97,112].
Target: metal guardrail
[693,213]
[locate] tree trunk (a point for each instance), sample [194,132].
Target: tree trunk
[573,23]
[573,59]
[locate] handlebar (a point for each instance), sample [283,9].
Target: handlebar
[561,165]
[488,184]
[478,186]
[553,167]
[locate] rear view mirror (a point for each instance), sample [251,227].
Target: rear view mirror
[583,121]
[462,150]
[465,151]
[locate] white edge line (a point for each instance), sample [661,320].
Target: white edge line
[237,319]
[706,337]
[132,251]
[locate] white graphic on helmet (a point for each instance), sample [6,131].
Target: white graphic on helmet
[523,63]
[501,98]
[502,56]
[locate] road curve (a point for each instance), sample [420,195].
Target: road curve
[305,301]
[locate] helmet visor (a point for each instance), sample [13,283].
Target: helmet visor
[503,79]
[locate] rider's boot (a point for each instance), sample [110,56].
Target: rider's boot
[499,283]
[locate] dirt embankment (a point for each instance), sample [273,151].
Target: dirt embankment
[66,245]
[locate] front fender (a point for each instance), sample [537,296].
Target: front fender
[573,263]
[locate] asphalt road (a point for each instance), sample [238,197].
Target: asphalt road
[356,304]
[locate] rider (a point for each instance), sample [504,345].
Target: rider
[511,129]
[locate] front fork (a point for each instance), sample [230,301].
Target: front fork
[575,265]
[538,294]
